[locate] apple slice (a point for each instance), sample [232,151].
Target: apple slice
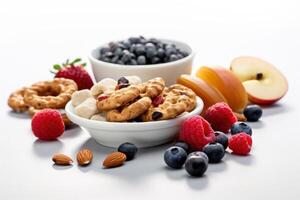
[227,83]
[263,82]
[207,93]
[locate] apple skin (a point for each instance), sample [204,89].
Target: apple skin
[266,102]
[227,83]
[267,89]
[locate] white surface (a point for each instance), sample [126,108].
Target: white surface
[103,70]
[36,34]
[142,134]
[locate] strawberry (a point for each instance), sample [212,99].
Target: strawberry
[75,71]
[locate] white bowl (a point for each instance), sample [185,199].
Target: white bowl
[169,71]
[142,134]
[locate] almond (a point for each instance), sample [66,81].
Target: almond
[240,117]
[84,157]
[114,159]
[61,159]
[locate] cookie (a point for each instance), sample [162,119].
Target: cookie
[50,94]
[129,112]
[177,100]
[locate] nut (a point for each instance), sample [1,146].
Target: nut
[61,159]
[114,159]
[240,117]
[84,157]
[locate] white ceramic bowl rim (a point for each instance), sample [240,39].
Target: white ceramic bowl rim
[186,47]
[129,125]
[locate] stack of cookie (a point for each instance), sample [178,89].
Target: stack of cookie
[128,99]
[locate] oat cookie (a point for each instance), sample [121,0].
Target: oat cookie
[177,99]
[50,94]
[16,101]
[129,112]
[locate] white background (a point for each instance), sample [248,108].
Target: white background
[36,34]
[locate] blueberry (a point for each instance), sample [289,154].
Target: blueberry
[253,113]
[183,145]
[184,53]
[150,45]
[179,56]
[128,149]
[135,40]
[239,127]
[108,54]
[133,62]
[222,139]
[113,45]
[170,50]
[106,59]
[140,49]
[118,52]
[123,80]
[141,60]
[173,57]
[156,115]
[132,48]
[160,53]
[214,151]
[175,157]
[126,44]
[121,46]
[126,56]
[115,59]
[155,60]
[150,50]
[154,40]
[103,50]
[196,164]
[120,62]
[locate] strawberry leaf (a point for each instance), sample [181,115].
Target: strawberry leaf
[83,64]
[75,61]
[57,67]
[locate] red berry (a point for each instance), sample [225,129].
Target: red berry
[157,101]
[240,143]
[102,97]
[47,124]
[76,72]
[196,132]
[220,117]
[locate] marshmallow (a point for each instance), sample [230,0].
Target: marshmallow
[99,117]
[104,86]
[80,96]
[133,79]
[87,108]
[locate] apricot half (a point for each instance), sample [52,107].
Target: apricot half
[207,93]
[226,83]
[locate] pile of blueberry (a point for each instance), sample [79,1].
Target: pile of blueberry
[196,162]
[140,51]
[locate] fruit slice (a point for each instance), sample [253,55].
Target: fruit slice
[227,83]
[263,82]
[208,94]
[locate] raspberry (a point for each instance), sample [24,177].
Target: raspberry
[220,117]
[157,101]
[240,143]
[196,132]
[47,124]
[102,97]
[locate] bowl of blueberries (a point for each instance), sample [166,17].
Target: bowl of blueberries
[146,58]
